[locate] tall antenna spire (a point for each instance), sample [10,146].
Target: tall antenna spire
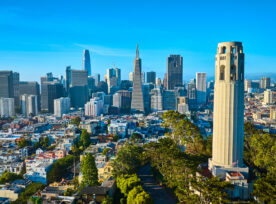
[137,52]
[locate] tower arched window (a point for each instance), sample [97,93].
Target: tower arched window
[222,72]
[223,50]
[233,73]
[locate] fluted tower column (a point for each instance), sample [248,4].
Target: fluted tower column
[228,118]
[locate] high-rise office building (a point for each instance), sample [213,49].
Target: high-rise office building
[16,89]
[97,78]
[6,84]
[143,77]
[169,100]
[7,107]
[51,89]
[146,96]
[228,118]
[91,85]
[201,88]
[130,76]
[151,76]
[122,100]
[30,88]
[29,105]
[158,82]
[78,88]
[192,95]
[61,106]
[156,100]
[137,102]
[86,65]
[67,79]
[265,83]
[174,75]
[113,78]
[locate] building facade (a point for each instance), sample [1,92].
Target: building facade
[174,75]
[7,107]
[29,105]
[61,106]
[86,64]
[151,76]
[6,84]
[201,88]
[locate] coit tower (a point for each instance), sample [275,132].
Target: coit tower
[228,118]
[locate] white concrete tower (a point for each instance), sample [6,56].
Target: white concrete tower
[228,115]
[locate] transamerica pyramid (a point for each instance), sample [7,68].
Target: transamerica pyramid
[137,102]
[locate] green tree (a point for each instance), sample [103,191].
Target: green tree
[211,190]
[76,121]
[89,171]
[105,151]
[116,138]
[265,189]
[60,169]
[28,192]
[9,177]
[136,137]
[127,182]
[107,200]
[183,131]
[127,160]
[137,195]
[85,138]
[23,143]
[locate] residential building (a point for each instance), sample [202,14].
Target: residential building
[7,107]
[265,83]
[29,105]
[94,107]
[61,106]
[30,88]
[156,100]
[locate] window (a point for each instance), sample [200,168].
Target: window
[223,50]
[233,50]
[221,72]
[233,73]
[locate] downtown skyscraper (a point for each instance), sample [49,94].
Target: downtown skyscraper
[201,88]
[137,103]
[174,75]
[86,64]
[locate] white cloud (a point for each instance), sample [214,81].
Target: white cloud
[107,51]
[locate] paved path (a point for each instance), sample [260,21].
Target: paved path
[151,186]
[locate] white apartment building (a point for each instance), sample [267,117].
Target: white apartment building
[29,105]
[94,107]
[7,107]
[61,106]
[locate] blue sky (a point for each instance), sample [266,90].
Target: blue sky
[42,36]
